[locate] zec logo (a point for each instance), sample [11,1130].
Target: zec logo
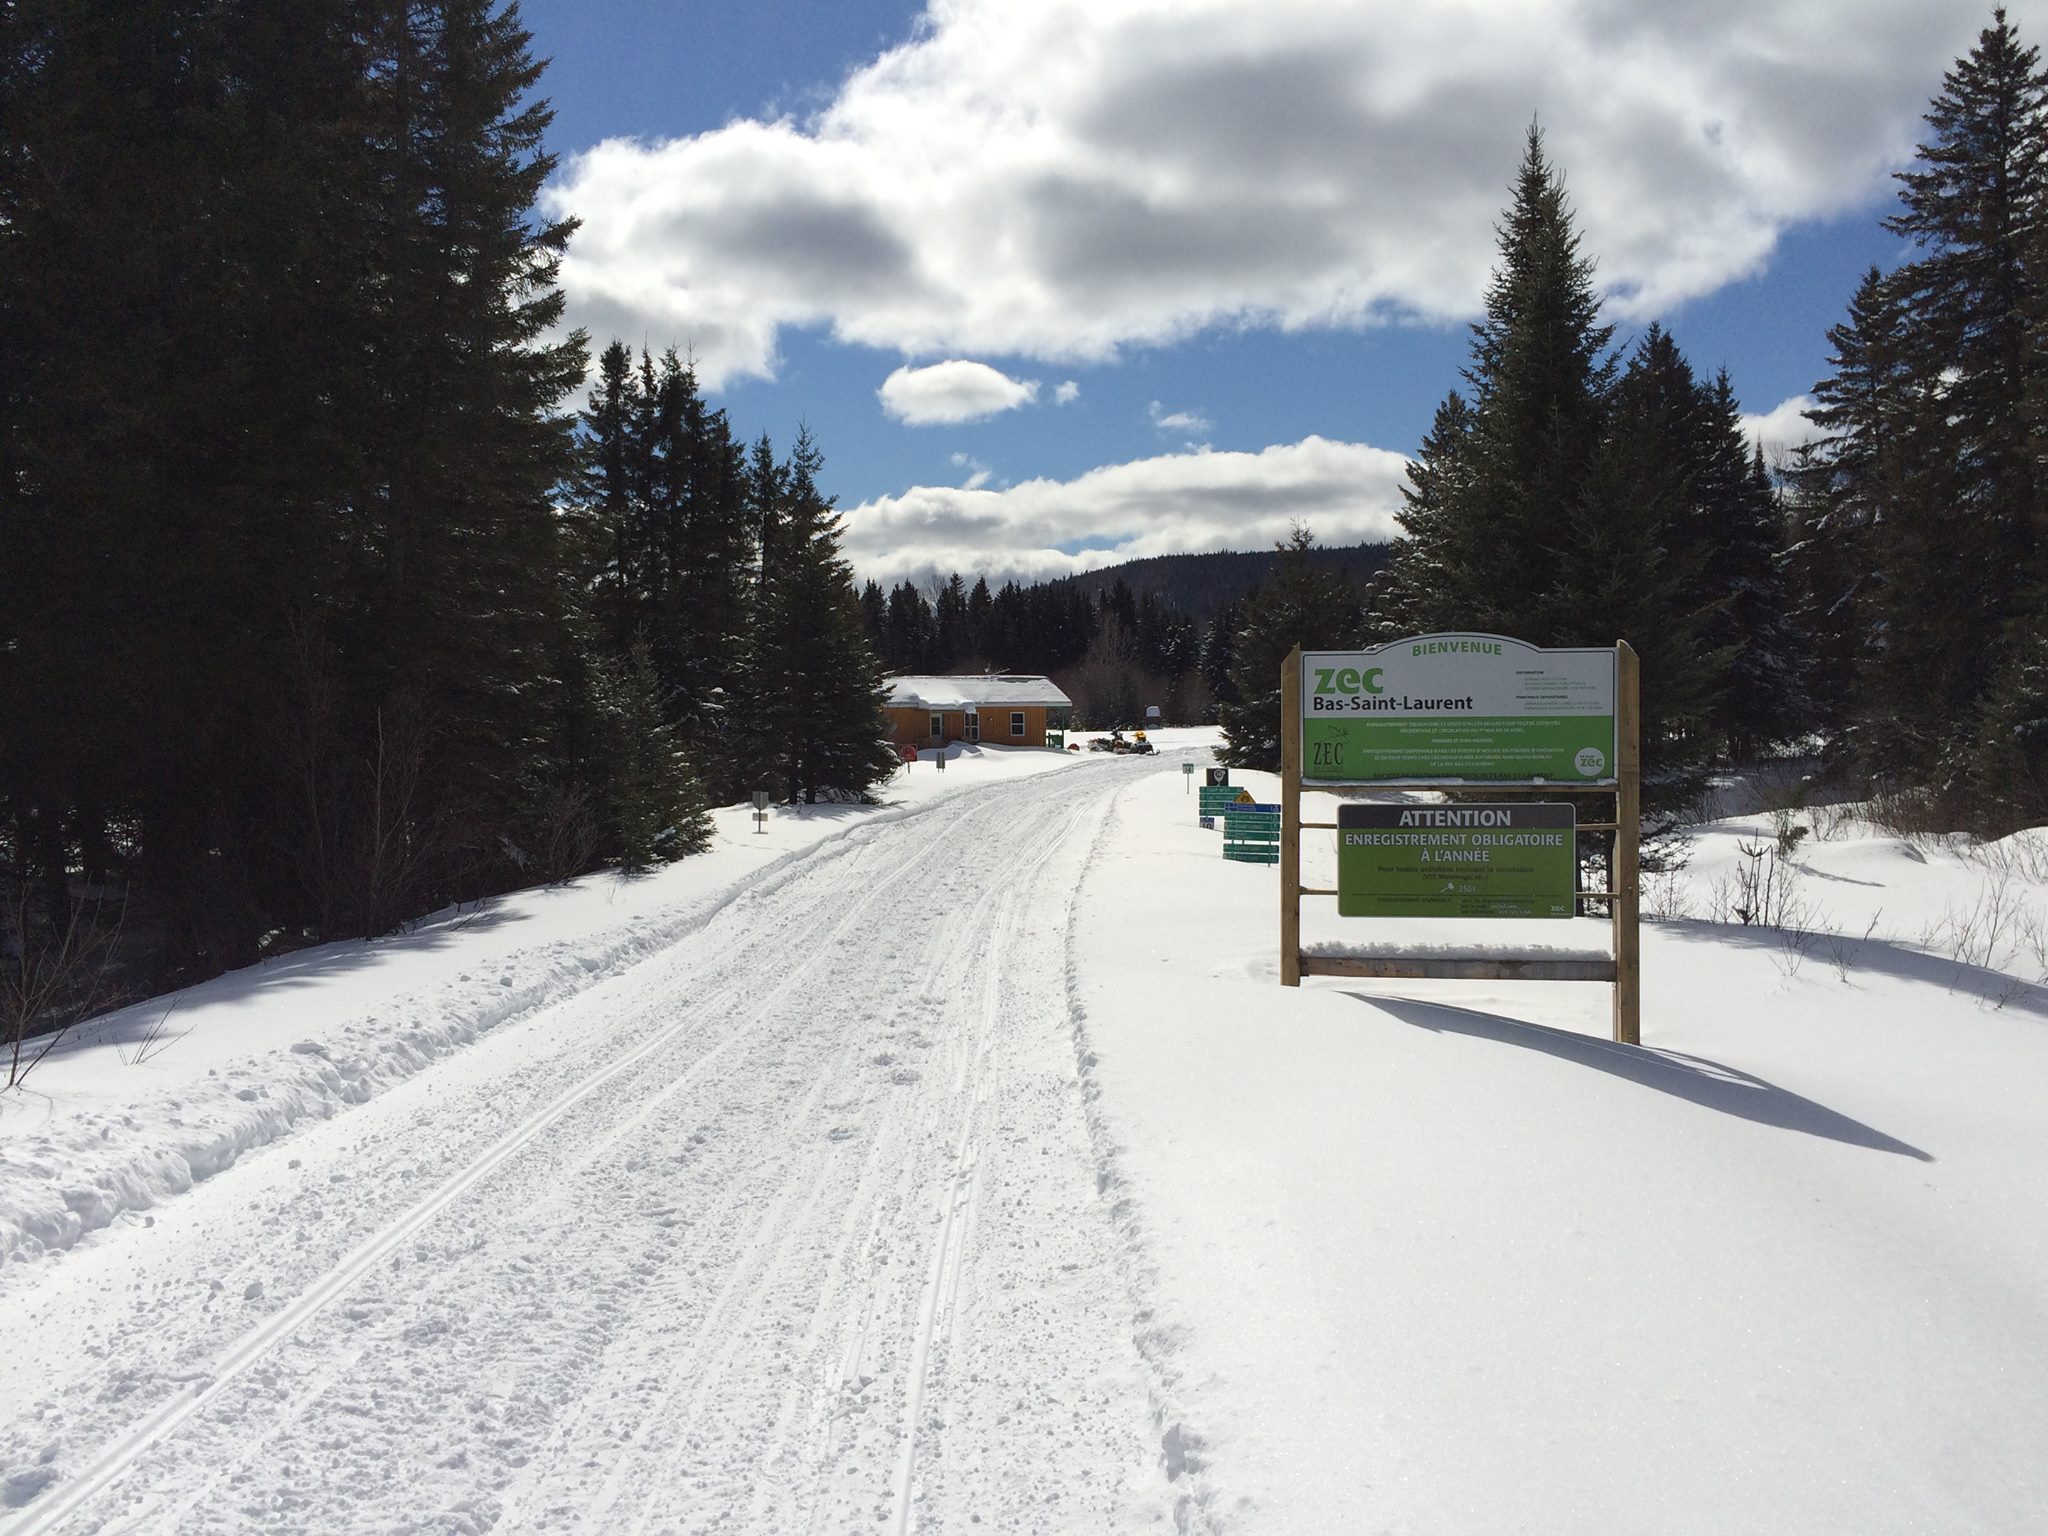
[1590,762]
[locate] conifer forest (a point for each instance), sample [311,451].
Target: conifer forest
[340,581]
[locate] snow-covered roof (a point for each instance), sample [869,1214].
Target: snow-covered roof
[1010,689]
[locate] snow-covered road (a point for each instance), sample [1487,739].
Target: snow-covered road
[795,1227]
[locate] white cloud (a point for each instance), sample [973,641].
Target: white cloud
[948,393]
[1067,393]
[1782,428]
[1166,505]
[1176,421]
[1066,178]
[977,472]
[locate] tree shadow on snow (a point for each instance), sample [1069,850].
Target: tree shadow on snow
[1877,957]
[1695,1079]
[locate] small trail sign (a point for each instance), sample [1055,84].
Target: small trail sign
[1251,832]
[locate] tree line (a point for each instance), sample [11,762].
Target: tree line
[1570,496]
[1918,517]
[1114,656]
[1878,597]
[321,606]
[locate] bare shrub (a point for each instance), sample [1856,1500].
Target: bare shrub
[1986,933]
[1765,889]
[1844,952]
[1836,820]
[155,1040]
[1917,816]
[2033,939]
[53,973]
[1666,895]
[1795,942]
[568,834]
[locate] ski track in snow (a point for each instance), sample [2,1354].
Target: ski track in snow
[801,1225]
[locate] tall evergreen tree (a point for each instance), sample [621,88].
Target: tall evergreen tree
[1405,591]
[1840,486]
[949,617]
[463,444]
[1494,506]
[1973,204]
[819,701]
[652,804]
[1298,604]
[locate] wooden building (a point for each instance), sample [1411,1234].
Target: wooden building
[1007,709]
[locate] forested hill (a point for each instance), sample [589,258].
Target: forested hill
[1198,585]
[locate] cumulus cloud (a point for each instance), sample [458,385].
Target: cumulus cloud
[1171,504]
[1782,428]
[1063,179]
[1176,421]
[1067,393]
[948,393]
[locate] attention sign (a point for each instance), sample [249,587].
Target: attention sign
[1451,708]
[1456,860]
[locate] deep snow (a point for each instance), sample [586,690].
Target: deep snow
[961,1165]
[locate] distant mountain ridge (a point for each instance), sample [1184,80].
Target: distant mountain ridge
[1200,584]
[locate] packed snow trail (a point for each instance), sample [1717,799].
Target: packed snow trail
[795,1227]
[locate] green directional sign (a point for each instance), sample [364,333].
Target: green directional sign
[1456,860]
[1472,708]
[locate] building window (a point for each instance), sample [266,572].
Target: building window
[938,725]
[1017,722]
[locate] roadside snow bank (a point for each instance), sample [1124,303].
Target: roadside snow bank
[135,1107]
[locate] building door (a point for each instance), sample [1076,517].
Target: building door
[973,726]
[938,727]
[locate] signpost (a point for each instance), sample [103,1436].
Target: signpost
[760,810]
[1251,832]
[1476,717]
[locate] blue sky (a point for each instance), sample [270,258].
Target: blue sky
[1165,274]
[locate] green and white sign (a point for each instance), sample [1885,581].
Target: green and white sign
[1456,860]
[1447,708]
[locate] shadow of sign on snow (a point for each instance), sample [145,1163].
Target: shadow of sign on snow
[1693,1078]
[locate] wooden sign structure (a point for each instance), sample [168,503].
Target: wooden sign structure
[1623,784]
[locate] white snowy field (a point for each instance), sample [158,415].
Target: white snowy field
[960,1165]
[1440,1257]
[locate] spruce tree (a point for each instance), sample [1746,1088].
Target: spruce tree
[1494,505]
[1438,482]
[463,445]
[2007,774]
[1839,487]
[819,716]
[1299,604]
[653,806]
[1973,204]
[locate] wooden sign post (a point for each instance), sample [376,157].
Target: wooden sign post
[1378,736]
